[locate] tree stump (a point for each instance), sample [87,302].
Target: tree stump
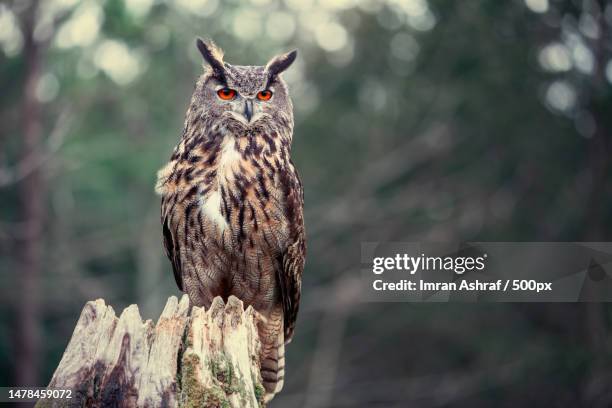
[190,358]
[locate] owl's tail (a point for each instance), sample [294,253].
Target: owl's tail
[273,372]
[273,355]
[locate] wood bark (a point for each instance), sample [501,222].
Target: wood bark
[191,358]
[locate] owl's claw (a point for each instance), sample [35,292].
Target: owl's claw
[260,317]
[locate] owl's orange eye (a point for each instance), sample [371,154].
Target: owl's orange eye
[264,95]
[226,94]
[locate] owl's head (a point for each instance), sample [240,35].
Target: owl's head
[240,96]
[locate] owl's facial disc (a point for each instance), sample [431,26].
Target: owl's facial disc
[245,109]
[246,113]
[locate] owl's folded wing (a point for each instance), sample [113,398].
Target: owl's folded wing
[293,258]
[172,252]
[291,284]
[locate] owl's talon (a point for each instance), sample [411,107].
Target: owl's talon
[260,317]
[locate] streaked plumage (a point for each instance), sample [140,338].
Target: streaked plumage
[232,201]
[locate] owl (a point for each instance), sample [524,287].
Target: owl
[232,200]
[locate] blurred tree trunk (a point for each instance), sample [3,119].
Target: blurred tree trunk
[32,201]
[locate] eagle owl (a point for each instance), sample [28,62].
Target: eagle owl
[232,200]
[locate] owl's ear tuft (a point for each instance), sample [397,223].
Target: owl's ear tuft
[213,55]
[280,63]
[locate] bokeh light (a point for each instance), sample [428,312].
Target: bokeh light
[83,26]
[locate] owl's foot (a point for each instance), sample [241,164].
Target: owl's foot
[260,317]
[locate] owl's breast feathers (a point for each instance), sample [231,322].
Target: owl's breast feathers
[237,199]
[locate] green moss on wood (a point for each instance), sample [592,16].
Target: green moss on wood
[194,394]
[229,377]
[259,393]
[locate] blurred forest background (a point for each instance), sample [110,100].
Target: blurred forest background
[415,120]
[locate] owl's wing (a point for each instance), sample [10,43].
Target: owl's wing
[291,284]
[171,248]
[294,257]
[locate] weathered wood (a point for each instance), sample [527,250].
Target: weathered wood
[191,358]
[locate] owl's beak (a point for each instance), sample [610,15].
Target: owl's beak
[248,109]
